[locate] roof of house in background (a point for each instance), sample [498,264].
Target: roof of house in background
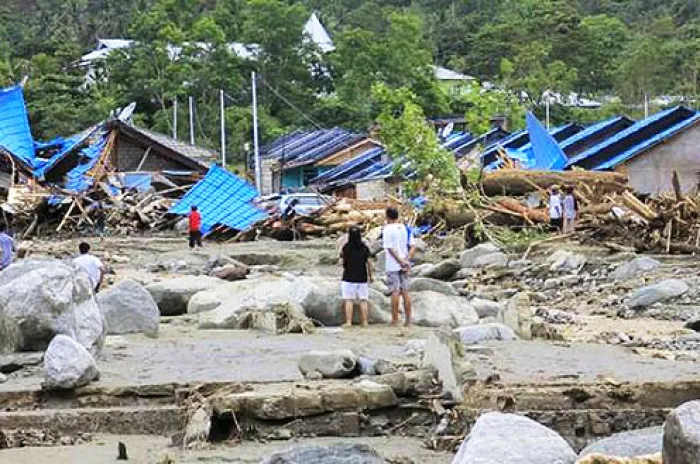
[340,173]
[486,139]
[15,133]
[303,148]
[594,134]
[636,139]
[318,34]
[444,74]
[202,155]
[222,198]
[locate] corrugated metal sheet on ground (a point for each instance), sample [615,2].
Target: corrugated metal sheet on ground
[15,133]
[77,180]
[222,198]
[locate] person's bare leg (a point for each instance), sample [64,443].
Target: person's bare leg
[348,313]
[364,313]
[395,297]
[407,306]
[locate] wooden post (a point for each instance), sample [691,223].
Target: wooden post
[143,158]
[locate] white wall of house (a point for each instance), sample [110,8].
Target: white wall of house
[652,171]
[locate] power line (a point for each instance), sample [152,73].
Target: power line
[290,104]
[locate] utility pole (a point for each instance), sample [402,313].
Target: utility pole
[646,106]
[223,129]
[175,119]
[256,151]
[191,100]
[546,108]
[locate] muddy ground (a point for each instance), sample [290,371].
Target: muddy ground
[182,353]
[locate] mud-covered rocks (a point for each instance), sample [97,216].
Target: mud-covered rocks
[129,308]
[223,307]
[635,267]
[68,365]
[425,284]
[42,298]
[324,305]
[173,295]
[659,292]
[336,364]
[230,272]
[334,454]
[468,257]
[444,353]
[498,438]
[681,441]
[432,309]
[444,270]
[564,260]
[518,315]
[475,334]
[628,444]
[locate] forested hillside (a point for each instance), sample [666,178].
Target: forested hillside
[623,48]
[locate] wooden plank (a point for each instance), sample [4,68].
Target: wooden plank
[144,158]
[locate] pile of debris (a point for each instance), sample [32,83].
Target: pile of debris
[337,217]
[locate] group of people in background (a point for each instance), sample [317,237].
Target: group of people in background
[563,212]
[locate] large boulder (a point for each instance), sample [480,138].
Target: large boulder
[474,334]
[635,267]
[498,438]
[681,442]
[443,270]
[68,365]
[336,364]
[334,454]
[662,291]
[424,284]
[432,309]
[490,261]
[628,444]
[129,308]
[486,308]
[468,257]
[323,304]
[225,306]
[230,272]
[173,295]
[563,260]
[42,298]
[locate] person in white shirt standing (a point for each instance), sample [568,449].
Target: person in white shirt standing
[570,211]
[556,218]
[397,246]
[91,265]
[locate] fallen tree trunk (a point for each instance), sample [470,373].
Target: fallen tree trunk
[515,182]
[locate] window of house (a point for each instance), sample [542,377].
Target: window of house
[307,174]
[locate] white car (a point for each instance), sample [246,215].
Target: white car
[307,202]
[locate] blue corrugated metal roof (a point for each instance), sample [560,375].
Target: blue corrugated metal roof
[546,152]
[493,136]
[635,139]
[353,165]
[15,134]
[221,198]
[302,148]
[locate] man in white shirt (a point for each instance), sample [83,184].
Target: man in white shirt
[91,265]
[397,246]
[555,210]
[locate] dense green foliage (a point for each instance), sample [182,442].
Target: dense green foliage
[622,48]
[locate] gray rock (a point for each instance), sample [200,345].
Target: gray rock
[129,308]
[422,270]
[628,444]
[637,266]
[486,308]
[681,441]
[444,270]
[334,454]
[330,364]
[432,309]
[68,365]
[662,291]
[173,295]
[468,257]
[324,304]
[474,334]
[444,353]
[425,284]
[223,307]
[42,298]
[498,438]
[465,274]
[563,260]
[230,272]
[3,378]
[563,281]
[198,427]
[518,314]
[13,362]
[492,260]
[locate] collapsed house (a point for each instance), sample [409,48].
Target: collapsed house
[134,173]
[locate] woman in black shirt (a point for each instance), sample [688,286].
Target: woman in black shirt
[357,274]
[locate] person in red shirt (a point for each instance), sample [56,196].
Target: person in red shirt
[195,221]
